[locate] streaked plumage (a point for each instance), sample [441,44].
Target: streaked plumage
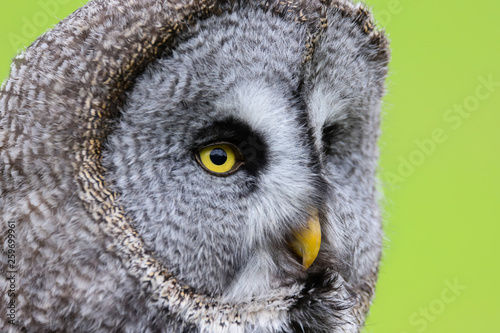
[160,160]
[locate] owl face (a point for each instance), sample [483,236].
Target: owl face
[228,144]
[194,166]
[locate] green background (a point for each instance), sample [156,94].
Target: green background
[439,165]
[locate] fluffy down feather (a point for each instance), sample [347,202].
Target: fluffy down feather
[118,228]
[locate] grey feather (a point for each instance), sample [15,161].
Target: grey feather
[118,227]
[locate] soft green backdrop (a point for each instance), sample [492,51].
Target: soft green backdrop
[440,160]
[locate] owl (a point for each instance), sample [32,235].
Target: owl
[193,166]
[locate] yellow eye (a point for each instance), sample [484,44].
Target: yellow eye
[220,159]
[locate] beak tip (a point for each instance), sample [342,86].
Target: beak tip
[307,242]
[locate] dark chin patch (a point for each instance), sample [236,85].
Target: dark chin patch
[322,304]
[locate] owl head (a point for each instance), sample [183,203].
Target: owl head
[204,166]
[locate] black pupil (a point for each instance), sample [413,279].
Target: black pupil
[218,156]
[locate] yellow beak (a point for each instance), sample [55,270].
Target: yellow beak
[306,242]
